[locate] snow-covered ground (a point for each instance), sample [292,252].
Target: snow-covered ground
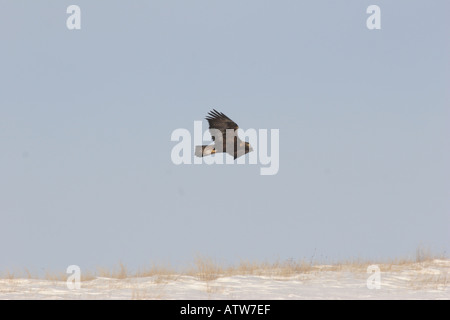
[426,280]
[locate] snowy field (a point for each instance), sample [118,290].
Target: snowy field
[424,280]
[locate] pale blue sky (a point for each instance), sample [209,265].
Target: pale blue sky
[86,117]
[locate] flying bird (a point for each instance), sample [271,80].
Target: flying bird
[224,134]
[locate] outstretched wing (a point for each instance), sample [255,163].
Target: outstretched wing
[218,121]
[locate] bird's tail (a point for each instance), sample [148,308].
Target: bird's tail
[201,151]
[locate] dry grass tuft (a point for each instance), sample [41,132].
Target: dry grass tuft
[155,271]
[206,269]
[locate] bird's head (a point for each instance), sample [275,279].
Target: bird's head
[248,147]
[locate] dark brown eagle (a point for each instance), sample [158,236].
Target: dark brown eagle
[224,134]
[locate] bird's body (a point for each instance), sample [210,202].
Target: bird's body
[224,134]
